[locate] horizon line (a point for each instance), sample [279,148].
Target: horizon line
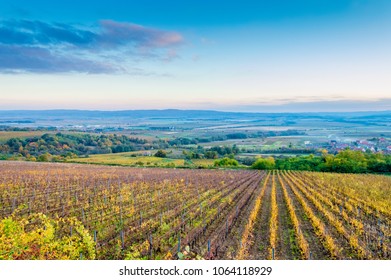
[199,110]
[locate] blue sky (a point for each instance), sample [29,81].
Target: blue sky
[293,55]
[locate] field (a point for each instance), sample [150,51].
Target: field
[140,213]
[129,159]
[202,162]
[137,159]
[6,135]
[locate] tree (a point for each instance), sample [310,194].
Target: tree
[347,161]
[45,157]
[264,163]
[226,162]
[161,154]
[248,161]
[211,155]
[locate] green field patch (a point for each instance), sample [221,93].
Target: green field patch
[128,159]
[203,162]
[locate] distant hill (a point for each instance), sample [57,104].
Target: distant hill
[171,113]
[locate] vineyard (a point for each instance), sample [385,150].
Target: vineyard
[152,213]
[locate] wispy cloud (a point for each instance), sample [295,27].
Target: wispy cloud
[36,46]
[118,34]
[36,59]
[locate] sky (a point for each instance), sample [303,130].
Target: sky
[250,56]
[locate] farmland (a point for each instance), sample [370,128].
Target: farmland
[196,139]
[140,213]
[135,159]
[6,135]
[127,159]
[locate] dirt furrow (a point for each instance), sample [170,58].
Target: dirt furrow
[261,231]
[318,251]
[287,247]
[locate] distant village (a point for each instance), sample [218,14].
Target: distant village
[375,145]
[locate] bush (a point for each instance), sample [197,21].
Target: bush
[247,161]
[226,162]
[161,154]
[38,237]
[264,163]
[45,157]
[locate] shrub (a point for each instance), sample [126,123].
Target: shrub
[161,154]
[38,237]
[225,162]
[264,163]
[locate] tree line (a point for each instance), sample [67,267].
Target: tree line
[346,161]
[69,145]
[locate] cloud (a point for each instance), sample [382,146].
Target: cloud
[26,32]
[118,34]
[36,46]
[107,34]
[15,59]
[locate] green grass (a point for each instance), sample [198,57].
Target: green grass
[126,159]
